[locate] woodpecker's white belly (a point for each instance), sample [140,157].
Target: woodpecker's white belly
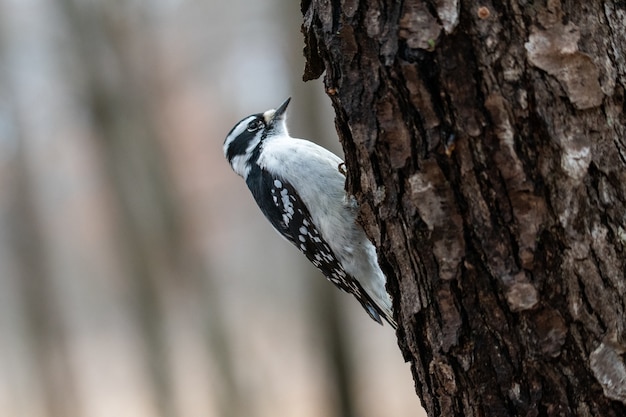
[321,187]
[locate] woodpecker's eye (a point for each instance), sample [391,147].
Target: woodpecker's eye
[254,125]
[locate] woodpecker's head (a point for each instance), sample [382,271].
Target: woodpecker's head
[242,145]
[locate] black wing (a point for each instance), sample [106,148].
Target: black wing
[282,206]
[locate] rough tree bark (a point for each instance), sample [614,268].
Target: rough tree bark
[486,143]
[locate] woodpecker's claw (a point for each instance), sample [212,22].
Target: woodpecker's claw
[342,169]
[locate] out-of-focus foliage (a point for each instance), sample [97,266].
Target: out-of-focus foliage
[137,278]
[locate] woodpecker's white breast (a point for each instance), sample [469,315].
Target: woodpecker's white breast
[314,172]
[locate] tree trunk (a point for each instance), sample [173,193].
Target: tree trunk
[486,144]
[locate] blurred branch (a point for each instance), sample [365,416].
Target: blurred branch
[117,94]
[123,101]
[44,328]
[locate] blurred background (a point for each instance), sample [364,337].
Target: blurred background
[137,276]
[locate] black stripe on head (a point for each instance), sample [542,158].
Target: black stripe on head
[239,137]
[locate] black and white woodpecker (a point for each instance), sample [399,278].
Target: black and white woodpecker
[299,187]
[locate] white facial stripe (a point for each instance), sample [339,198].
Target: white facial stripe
[240,162]
[238,130]
[240,166]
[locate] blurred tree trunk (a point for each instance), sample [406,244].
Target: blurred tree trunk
[486,144]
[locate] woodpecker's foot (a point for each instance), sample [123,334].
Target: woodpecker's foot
[342,169]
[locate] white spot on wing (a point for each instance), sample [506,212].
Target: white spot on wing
[288,210]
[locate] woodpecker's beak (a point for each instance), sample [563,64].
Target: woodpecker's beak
[281,109]
[272,116]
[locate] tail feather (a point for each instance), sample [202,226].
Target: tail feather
[376,311]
